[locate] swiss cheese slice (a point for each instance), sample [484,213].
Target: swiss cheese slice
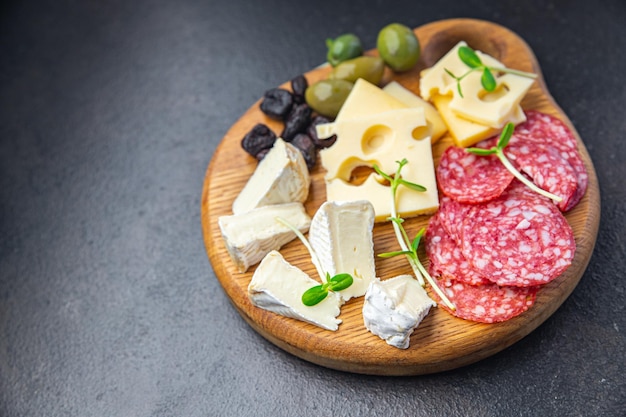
[382,139]
[436,79]
[465,132]
[434,122]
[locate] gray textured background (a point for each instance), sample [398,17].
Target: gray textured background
[110,112]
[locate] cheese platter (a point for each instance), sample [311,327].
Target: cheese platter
[441,341]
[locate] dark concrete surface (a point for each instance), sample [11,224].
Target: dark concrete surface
[110,113]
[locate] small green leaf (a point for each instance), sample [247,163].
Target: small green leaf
[451,74]
[412,185]
[481,151]
[341,282]
[488,80]
[395,253]
[416,241]
[469,57]
[505,136]
[314,295]
[381,173]
[397,220]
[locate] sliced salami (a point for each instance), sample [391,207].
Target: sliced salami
[488,303]
[547,168]
[469,178]
[519,239]
[548,130]
[452,214]
[446,259]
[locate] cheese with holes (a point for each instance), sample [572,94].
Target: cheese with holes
[341,236]
[277,286]
[253,234]
[281,177]
[436,80]
[367,99]
[494,108]
[394,308]
[382,139]
[434,122]
[467,133]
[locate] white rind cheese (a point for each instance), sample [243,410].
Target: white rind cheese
[251,235]
[281,177]
[394,308]
[341,236]
[278,286]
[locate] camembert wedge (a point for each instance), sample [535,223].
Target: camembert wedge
[281,177]
[251,235]
[341,236]
[278,286]
[394,308]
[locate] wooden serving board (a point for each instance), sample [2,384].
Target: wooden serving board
[441,342]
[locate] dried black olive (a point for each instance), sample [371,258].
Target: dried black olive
[259,156]
[312,132]
[259,138]
[299,85]
[297,121]
[305,144]
[277,103]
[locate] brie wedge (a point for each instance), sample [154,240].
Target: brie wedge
[281,177]
[394,308]
[250,236]
[341,236]
[278,286]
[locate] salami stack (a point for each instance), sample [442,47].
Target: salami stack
[494,242]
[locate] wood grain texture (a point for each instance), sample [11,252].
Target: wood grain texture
[441,342]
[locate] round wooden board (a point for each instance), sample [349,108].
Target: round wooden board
[441,342]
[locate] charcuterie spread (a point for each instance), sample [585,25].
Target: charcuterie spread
[470,188]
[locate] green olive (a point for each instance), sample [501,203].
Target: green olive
[342,48]
[398,47]
[370,68]
[327,96]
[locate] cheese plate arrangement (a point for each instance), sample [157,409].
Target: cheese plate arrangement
[403,213]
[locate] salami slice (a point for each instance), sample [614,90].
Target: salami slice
[548,130]
[547,168]
[488,303]
[446,259]
[519,239]
[470,178]
[452,214]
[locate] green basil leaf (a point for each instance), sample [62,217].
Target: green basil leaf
[314,295]
[481,151]
[505,136]
[469,57]
[488,80]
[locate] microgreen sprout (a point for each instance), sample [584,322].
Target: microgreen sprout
[498,150]
[487,79]
[318,293]
[409,247]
